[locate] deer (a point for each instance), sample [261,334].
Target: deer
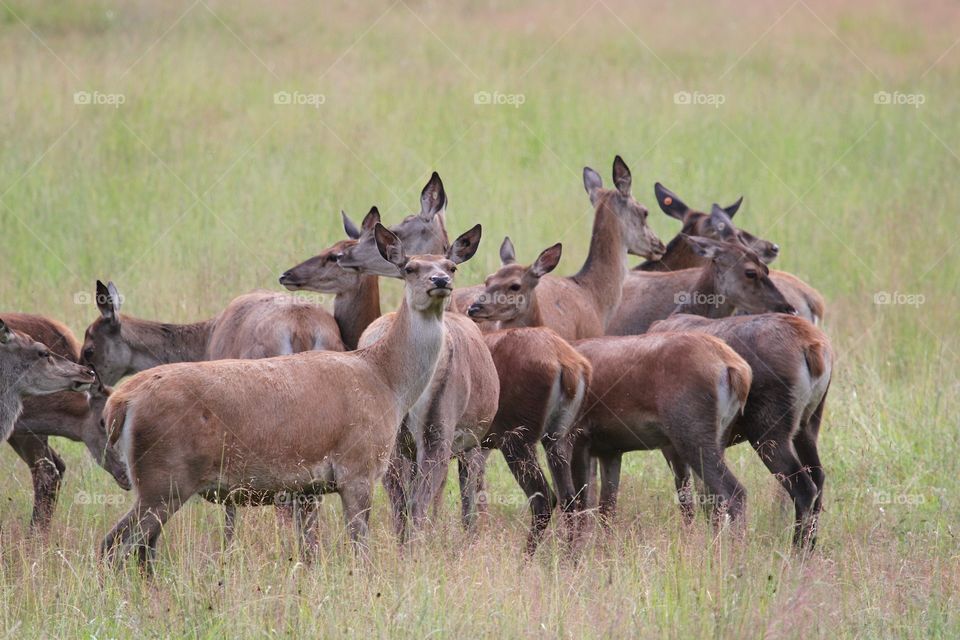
[458,406]
[792,362]
[542,378]
[733,278]
[582,306]
[259,324]
[74,421]
[247,430]
[30,368]
[675,392]
[718,225]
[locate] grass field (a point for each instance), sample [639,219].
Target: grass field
[151,144]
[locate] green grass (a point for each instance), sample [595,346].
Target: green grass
[199,188]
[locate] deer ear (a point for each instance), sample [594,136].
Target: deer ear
[433,199]
[465,246]
[389,246]
[732,209]
[721,223]
[348,226]
[622,179]
[109,309]
[704,247]
[592,182]
[5,333]
[547,261]
[371,220]
[508,255]
[669,203]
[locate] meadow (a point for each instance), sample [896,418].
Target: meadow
[192,151]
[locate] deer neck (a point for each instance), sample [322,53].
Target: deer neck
[355,310]
[408,354]
[156,343]
[678,255]
[704,298]
[11,406]
[605,269]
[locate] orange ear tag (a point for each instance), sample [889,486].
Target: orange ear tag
[668,201]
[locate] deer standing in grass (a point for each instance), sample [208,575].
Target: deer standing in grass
[460,402]
[312,422]
[70,414]
[582,305]
[792,362]
[718,225]
[260,324]
[542,378]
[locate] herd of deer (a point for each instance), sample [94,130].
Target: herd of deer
[697,349]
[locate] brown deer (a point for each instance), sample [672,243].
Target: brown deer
[581,306]
[673,391]
[717,225]
[260,324]
[734,278]
[792,363]
[46,467]
[310,423]
[458,406]
[542,378]
[30,368]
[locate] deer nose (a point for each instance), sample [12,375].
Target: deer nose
[440,280]
[474,309]
[775,249]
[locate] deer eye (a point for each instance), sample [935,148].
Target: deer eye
[43,354]
[409,270]
[515,287]
[750,273]
[88,353]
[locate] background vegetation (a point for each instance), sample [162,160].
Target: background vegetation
[203,185]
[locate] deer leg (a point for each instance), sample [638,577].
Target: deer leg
[559,454]
[781,459]
[397,481]
[609,486]
[305,514]
[229,523]
[357,500]
[682,481]
[46,471]
[707,462]
[433,460]
[139,530]
[521,457]
[805,442]
[471,465]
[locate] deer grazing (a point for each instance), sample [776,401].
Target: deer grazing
[313,422]
[581,306]
[542,378]
[70,414]
[717,225]
[792,363]
[458,406]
